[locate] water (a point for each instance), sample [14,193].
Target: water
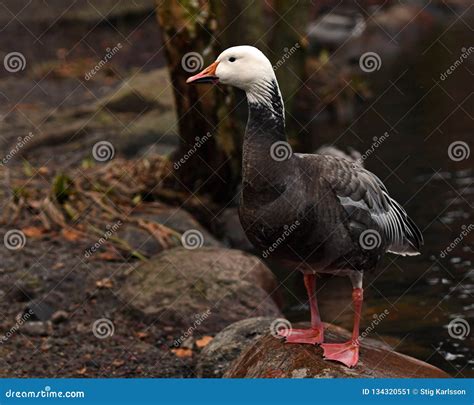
[422,115]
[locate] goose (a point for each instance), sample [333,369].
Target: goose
[316,213]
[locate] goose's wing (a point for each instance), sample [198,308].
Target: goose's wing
[351,154]
[357,188]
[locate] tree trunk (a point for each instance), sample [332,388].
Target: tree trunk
[208,159]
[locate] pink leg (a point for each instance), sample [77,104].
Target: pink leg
[348,353]
[315,334]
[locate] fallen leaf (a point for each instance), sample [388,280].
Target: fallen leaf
[43,170]
[204,341]
[58,265]
[104,283]
[182,352]
[33,232]
[81,371]
[25,106]
[71,235]
[118,363]
[142,335]
[109,256]
[45,346]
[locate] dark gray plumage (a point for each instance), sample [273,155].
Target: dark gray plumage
[335,201]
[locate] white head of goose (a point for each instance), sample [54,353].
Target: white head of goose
[315,213]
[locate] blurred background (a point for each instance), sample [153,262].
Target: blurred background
[97,176]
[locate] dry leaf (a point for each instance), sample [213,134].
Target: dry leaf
[182,352]
[109,256]
[33,232]
[58,265]
[43,170]
[71,235]
[204,341]
[104,283]
[118,363]
[25,106]
[82,371]
[142,335]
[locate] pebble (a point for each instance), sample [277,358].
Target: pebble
[37,328]
[59,316]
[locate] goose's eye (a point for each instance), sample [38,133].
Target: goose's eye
[231,59]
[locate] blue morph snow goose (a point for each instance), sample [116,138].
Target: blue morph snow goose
[341,215]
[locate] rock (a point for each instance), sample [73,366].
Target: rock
[142,92]
[91,11]
[227,345]
[409,23]
[270,357]
[40,310]
[205,289]
[139,239]
[59,316]
[37,328]
[181,220]
[174,218]
[229,229]
[333,29]
[152,128]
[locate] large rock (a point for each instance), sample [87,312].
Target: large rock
[142,92]
[217,286]
[270,357]
[227,345]
[153,132]
[175,218]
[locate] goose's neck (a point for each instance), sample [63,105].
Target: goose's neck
[265,126]
[266,111]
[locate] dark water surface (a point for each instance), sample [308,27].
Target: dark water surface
[422,116]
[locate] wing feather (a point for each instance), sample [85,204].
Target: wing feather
[357,188]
